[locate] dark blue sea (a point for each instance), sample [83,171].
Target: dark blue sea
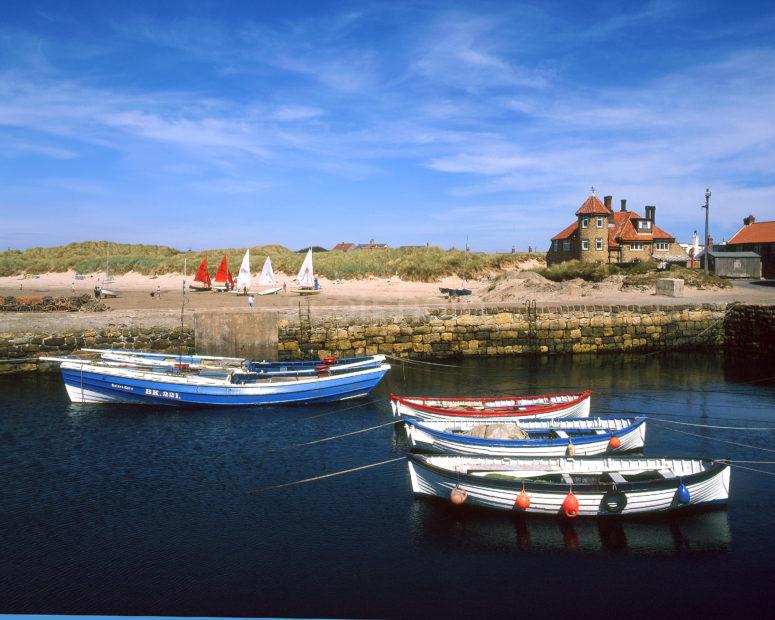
[137,511]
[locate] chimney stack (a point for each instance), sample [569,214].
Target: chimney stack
[651,213]
[624,205]
[607,201]
[747,221]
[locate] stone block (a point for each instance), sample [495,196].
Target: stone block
[670,287]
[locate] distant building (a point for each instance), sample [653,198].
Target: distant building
[758,237]
[342,247]
[371,245]
[600,235]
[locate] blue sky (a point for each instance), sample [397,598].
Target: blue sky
[207,124]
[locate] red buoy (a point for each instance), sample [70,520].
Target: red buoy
[614,442]
[570,505]
[523,500]
[458,495]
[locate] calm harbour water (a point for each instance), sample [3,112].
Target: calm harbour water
[134,510]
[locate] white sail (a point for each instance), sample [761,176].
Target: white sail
[267,274]
[243,277]
[306,277]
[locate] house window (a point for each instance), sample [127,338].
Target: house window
[644,225]
[636,247]
[661,246]
[598,244]
[585,244]
[584,222]
[566,245]
[600,222]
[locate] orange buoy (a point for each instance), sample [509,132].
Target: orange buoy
[523,500]
[329,359]
[614,442]
[458,495]
[570,505]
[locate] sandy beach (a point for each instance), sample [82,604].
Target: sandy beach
[517,287]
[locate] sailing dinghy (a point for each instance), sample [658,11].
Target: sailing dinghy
[223,280]
[202,276]
[306,277]
[243,277]
[267,279]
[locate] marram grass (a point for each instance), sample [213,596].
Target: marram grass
[422,264]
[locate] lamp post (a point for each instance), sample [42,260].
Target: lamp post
[706,206]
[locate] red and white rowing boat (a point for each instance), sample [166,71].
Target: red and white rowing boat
[510,408]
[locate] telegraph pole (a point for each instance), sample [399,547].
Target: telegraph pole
[706,206]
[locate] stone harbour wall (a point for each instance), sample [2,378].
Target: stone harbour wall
[506,331]
[750,329]
[19,350]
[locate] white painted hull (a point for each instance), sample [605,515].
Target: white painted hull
[578,410]
[502,494]
[270,291]
[632,437]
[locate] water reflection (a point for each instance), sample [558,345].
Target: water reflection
[434,522]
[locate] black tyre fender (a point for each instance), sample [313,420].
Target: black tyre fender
[613,502]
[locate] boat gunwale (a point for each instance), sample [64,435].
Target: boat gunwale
[634,426]
[494,412]
[713,467]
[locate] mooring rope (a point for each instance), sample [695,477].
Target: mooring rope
[760,471]
[314,441]
[733,428]
[336,473]
[734,443]
[421,362]
[320,415]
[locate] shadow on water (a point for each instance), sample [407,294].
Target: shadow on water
[437,523]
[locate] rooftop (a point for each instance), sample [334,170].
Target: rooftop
[758,232]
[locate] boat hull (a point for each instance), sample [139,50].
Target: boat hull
[97,384]
[574,408]
[707,487]
[631,434]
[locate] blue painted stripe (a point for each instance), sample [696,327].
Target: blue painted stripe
[179,394]
[505,443]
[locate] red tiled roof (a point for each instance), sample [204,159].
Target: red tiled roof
[567,232]
[624,230]
[593,206]
[758,232]
[342,247]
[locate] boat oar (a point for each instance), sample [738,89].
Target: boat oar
[336,473]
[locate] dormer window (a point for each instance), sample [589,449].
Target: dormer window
[584,222]
[644,225]
[599,222]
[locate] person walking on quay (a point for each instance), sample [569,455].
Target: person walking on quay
[251,301]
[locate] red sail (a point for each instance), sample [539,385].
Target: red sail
[201,273]
[230,280]
[223,272]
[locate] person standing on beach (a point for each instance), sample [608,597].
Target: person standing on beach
[158,291]
[284,285]
[72,286]
[251,301]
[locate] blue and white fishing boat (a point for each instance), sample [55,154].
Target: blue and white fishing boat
[89,381]
[586,486]
[265,368]
[585,436]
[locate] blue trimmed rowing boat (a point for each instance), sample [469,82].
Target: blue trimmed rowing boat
[97,382]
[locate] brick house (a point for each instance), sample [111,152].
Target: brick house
[600,235]
[756,237]
[343,247]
